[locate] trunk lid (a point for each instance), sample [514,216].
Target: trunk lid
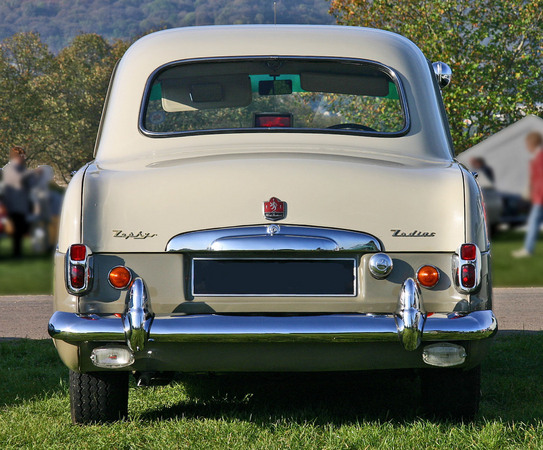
[409,205]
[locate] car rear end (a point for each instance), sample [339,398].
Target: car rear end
[275,214]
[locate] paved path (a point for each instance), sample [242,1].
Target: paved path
[517,309]
[25,316]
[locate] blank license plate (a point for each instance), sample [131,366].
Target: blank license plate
[274,277]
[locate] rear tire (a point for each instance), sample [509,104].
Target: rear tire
[98,396]
[451,393]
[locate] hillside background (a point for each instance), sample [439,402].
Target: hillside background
[59,21]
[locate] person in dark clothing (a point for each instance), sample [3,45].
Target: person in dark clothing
[16,198]
[479,165]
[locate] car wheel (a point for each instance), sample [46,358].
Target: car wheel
[98,396]
[451,393]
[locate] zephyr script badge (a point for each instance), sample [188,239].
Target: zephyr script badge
[131,235]
[275,209]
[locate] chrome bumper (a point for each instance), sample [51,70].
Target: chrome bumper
[409,325]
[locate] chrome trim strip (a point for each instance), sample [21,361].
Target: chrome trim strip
[331,328]
[287,238]
[353,260]
[382,67]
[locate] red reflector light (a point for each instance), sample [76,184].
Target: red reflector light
[468,275]
[468,252]
[78,252]
[273,120]
[77,276]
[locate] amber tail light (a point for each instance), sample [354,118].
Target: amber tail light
[120,277]
[428,276]
[78,269]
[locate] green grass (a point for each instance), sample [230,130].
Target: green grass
[32,274]
[374,410]
[29,275]
[510,272]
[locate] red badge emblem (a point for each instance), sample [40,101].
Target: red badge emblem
[275,209]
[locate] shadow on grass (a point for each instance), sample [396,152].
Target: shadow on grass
[338,398]
[512,388]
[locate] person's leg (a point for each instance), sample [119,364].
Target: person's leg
[539,224]
[19,224]
[534,222]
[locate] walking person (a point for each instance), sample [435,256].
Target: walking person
[16,196]
[534,144]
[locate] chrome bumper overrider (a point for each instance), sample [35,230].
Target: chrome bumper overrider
[409,325]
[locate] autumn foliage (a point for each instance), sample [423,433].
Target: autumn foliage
[51,104]
[494,48]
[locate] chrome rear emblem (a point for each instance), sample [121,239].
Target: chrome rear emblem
[273,229]
[275,209]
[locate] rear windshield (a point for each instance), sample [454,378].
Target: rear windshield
[274,94]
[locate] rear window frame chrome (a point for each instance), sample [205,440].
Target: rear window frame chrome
[379,66]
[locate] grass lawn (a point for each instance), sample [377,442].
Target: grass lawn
[29,275]
[374,410]
[510,272]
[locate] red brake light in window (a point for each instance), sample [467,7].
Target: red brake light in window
[78,252]
[468,275]
[273,120]
[468,252]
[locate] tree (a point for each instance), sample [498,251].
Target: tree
[52,104]
[493,47]
[23,60]
[74,96]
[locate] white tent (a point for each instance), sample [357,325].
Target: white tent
[505,152]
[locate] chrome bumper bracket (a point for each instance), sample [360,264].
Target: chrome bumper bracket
[138,317]
[410,315]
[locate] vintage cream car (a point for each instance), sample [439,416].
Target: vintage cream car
[273,199]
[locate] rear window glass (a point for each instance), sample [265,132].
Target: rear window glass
[274,93]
